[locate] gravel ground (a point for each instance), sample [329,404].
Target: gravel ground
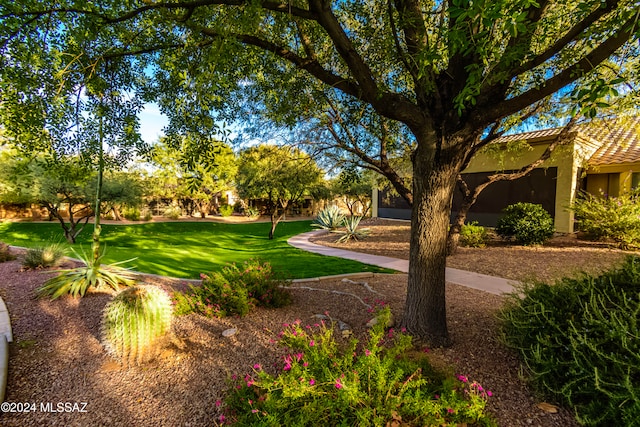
[562,256]
[57,355]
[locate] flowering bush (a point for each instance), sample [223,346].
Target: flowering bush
[615,218]
[379,383]
[233,291]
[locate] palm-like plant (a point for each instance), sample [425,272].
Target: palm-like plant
[351,231]
[76,281]
[329,218]
[46,256]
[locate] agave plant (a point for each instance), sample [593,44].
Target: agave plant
[135,323]
[76,281]
[351,231]
[329,218]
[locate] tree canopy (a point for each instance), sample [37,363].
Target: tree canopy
[452,72]
[279,176]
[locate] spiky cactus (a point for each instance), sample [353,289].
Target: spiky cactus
[135,323]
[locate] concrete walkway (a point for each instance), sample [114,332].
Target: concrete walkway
[483,282]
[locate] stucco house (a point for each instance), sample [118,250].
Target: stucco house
[601,160]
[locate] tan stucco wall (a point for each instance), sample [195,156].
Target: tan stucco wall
[374,203]
[597,181]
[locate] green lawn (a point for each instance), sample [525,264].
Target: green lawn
[186,249]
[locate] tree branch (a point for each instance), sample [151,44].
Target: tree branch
[563,41]
[358,67]
[274,6]
[570,74]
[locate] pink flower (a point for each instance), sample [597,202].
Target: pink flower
[338,384]
[254,411]
[287,367]
[367,352]
[489,393]
[257,367]
[312,343]
[222,418]
[305,364]
[312,381]
[218,403]
[451,411]
[462,378]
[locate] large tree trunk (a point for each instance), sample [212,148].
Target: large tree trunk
[434,178]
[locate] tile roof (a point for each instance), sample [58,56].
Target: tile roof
[619,144]
[613,141]
[528,136]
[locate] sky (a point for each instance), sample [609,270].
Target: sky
[151,123]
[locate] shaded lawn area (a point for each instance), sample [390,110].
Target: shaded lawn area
[186,249]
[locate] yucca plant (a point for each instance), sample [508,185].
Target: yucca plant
[135,324]
[351,231]
[329,218]
[76,281]
[46,256]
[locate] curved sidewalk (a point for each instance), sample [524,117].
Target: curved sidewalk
[483,282]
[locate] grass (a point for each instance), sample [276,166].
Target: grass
[186,249]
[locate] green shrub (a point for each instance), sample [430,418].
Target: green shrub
[527,223]
[132,214]
[5,253]
[580,342]
[172,212]
[76,281]
[251,212]
[329,218]
[225,210]
[147,215]
[379,383]
[234,291]
[135,323]
[47,256]
[351,231]
[473,235]
[615,218]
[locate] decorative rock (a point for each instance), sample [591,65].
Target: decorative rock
[229,332]
[374,321]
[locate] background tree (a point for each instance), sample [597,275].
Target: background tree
[120,190]
[58,185]
[449,71]
[279,176]
[355,188]
[195,172]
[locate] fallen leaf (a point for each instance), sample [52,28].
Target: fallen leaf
[548,408]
